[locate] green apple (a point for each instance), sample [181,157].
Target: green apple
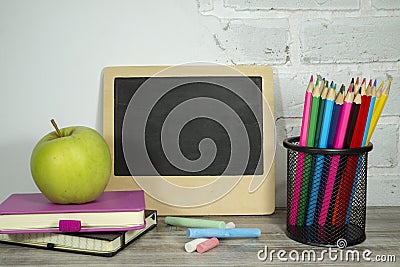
[71,165]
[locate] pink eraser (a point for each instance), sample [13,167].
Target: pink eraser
[69,226]
[207,245]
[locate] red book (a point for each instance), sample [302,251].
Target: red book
[112,211]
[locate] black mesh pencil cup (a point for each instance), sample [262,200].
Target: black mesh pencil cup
[326,194]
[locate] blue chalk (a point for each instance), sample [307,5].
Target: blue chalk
[223,232]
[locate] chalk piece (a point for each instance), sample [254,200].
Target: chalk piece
[223,232]
[230,225]
[196,223]
[191,246]
[207,245]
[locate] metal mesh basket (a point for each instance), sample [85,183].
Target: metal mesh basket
[326,194]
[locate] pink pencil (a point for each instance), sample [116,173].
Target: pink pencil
[339,140]
[300,160]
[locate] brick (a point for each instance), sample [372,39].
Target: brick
[386,144]
[263,41]
[289,94]
[293,5]
[383,191]
[205,5]
[350,40]
[385,4]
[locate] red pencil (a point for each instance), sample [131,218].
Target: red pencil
[366,95]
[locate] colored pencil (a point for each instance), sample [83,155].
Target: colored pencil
[378,110]
[370,110]
[358,135]
[339,140]
[307,168]
[344,119]
[372,92]
[300,159]
[321,114]
[323,142]
[355,108]
[350,171]
[316,99]
[356,86]
[335,117]
[306,113]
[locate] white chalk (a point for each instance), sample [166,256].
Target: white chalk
[191,246]
[230,225]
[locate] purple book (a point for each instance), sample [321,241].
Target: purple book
[112,211]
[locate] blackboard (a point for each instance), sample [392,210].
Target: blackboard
[199,140]
[249,111]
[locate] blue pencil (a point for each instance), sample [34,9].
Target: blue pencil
[335,117]
[321,110]
[370,111]
[323,143]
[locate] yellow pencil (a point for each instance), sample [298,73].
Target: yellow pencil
[378,95]
[379,105]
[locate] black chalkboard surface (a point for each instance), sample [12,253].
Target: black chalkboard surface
[197,139]
[197,129]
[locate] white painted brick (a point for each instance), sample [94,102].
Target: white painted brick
[290,89]
[293,5]
[383,190]
[386,144]
[263,41]
[289,94]
[385,4]
[350,40]
[205,5]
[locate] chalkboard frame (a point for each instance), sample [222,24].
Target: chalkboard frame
[238,201]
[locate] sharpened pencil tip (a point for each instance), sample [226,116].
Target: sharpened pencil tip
[312,78]
[375,83]
[363,81]
[358,79]
[370,83]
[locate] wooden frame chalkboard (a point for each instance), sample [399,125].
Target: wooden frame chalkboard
[222,187]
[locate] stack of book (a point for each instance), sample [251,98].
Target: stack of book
[103,227]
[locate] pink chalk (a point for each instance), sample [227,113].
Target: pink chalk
[207,245]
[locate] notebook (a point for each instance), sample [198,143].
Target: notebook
[112,211]
[95,243]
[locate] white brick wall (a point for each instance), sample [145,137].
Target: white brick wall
[339,39]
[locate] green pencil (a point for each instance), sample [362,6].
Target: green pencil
[307,169]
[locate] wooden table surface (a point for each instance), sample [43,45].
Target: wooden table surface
[163,246]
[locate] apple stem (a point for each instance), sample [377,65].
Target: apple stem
[58,132]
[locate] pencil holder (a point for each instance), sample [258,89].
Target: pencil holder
[326,194]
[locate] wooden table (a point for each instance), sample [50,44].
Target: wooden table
[164,245]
